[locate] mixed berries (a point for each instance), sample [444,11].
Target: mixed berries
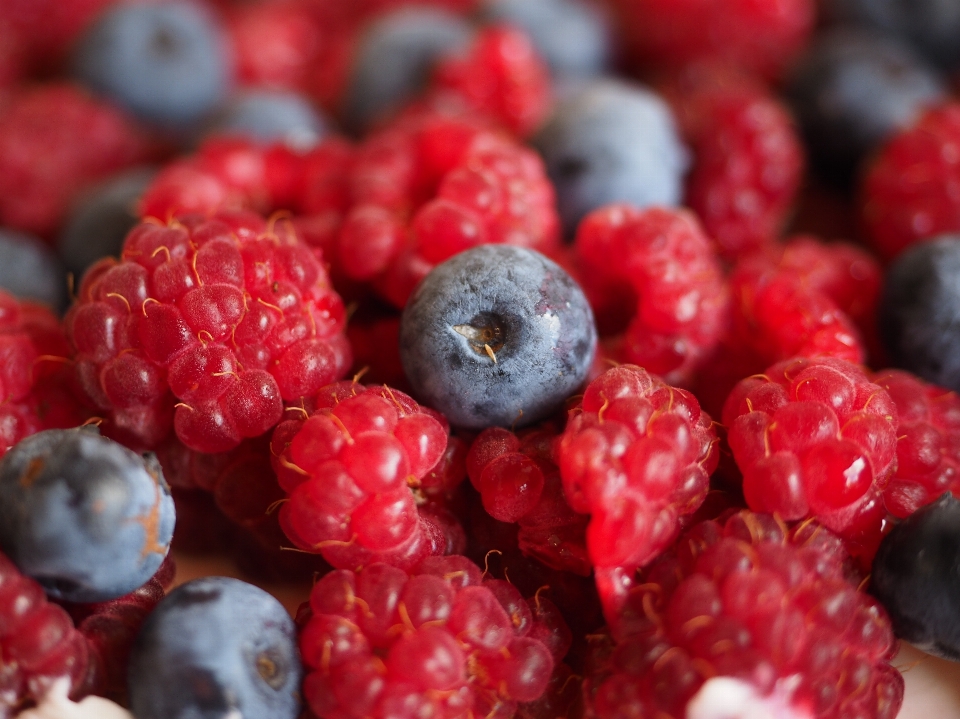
[566,359]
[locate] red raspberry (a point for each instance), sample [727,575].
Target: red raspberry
[437,642]
[747,605]
[519,481]
[38,642]
[748,159]
[815,438]
[431,185]
[501,76]
[636,456]
[356,471]
[911,190]
[50,27]
[761,37]
[54,141]
[659,262]
[229,315]
[928,442]
[34,373]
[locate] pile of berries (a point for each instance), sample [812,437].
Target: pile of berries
[563,359]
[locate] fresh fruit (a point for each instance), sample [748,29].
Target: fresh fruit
[227,647]
[85,517]
[497,336]
[269,116]
[30,271]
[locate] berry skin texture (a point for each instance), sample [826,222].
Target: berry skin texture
[167,64]
[815,438]
[38,642]
[224,317]
[611,142]
[661,263]
[918,310]
[910,191]
[746,600]
[497,336]
[914,577]
[271,116]
[87,518]
[228,646]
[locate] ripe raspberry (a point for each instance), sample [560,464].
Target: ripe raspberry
[50,27]
[636,456]
[38,642]
[910,191]
[760,37]
[439,641]
[54,141]
[660,262]
[229,315]
[362,472]
[816,438]
[928,442]
[749,608]
[519,481]
[431,185]
[748,160]
[502,76]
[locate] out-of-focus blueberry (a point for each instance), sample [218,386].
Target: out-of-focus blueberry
[609,142]
[86,517]
[167,63]
[100,220]
[216,647]
[269,116]
[30,270]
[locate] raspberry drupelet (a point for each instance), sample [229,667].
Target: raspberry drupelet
[38,642]
[439,641]
[816,438]
[636,455]
[747,618]
[659,264]
[367,473]
[205,326]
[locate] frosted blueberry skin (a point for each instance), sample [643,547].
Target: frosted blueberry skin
[393,60]
[267,116]
[610,142]
[916,576]
[529,312]
[86,517]
[168,64]
[920,311]
[30,271]
[216,648]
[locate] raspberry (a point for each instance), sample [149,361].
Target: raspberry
[54,141]
[356,470]
[748,160]
[502,76]
[50,27]
[382,643]
[761,37]
[747,604]
[431,185]
[660,262]
[38,642]
[636,455]
[815,438]
[229,315]
[928,442]
[910,191]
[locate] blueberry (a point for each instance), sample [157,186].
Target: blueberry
[166,63]
[100,220]
[393,60]
[920,311]
[916,576]
[29,270]
[852,90]
[216,648]
[271,116]
[497,335]
[609,142]
[86,517]
[572,36]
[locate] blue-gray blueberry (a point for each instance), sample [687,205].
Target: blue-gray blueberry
[30,271]
[269,116]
